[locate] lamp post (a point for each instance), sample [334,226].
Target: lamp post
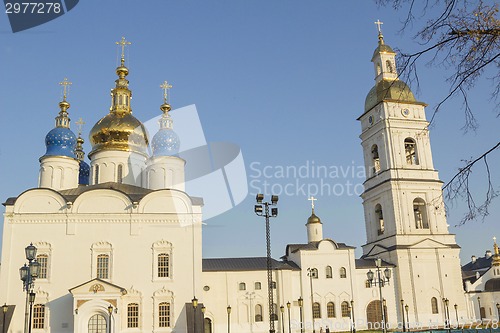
[301,304]
[110,311]
[349,309]
[203,309]
[446,314]
[403,312]
[288,305]
[228,319]
[5,308]
[456,312]
[311,274]
[407,317]
[282,309]
[498,311]
[31,300]
[479,304]
[28,274]
[194,302]
[262,209]
[353,319]
[380,281]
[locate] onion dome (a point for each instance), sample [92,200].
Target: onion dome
[119,130]
[61,141]
[389,90]
[165,142]
[313,218]
[382,47]
[84,171]
[496,256]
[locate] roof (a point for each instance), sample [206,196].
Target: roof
[391,91]
[135,193]
[370,263]
[481,265]
[245,264]
[292,248]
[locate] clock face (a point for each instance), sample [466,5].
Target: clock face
[405,112]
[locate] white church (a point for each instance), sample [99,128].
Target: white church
[138,236]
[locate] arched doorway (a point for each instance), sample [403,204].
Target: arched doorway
[208,325]
[374,315]
[97,324]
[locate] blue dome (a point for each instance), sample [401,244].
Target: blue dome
[165,143]
[60,141]
[84,175]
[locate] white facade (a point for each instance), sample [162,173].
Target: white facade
[131,240]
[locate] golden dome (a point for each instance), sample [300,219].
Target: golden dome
[389,90]
[119,132]
[313,219]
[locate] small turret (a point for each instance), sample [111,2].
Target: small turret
[314,225]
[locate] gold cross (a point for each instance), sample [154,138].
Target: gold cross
[123,42]
[65,83]
[80,124]
[378,23]
[165,86]
[312,199]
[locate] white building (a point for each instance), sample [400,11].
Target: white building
[137,235]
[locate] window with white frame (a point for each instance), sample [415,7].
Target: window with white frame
[43,260]
[162,260]
[164,314]
[133,315]
[39,316]
[102,260]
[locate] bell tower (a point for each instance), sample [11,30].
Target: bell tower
[403,204]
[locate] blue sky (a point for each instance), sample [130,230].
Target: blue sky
[284,80]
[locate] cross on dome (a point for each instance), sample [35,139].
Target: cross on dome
[65,83]
[123,43]
[165,86]
[378,23]
[312,199]
[80,124]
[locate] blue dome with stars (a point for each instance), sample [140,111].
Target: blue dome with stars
[165,143]
[60,141]
[84,174]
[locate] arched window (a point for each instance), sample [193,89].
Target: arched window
[133,315]
[258,312]
[374,315]
[379,216]
[96,174]
[411,152]
[434,305]
[164,314]
[97,324]
[163,265]
[375,159]
[346,309]
[316,310]
[313,273]
[208,325]
[119,174]
[343,273]
[330,310]
[43,260]
[275,312]
[379,69]
[242,286]
[103,266]
[420,214]
[388,64]
[328,271]
[258,286]
[39,316]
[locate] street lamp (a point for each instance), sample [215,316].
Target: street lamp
[301,304]
[5,308]
[479,304]
[408,318]
[446,314]
[110,311]
[194,302]
[203,310]
[311,273]
[288,305]
[28,274]
[403,312]
[228,319]
[456,312]
[262,209]
[380,281]
[353,319]
[282,308]
[498,311]
[349,309]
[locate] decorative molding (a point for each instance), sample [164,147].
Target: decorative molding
[96,288]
